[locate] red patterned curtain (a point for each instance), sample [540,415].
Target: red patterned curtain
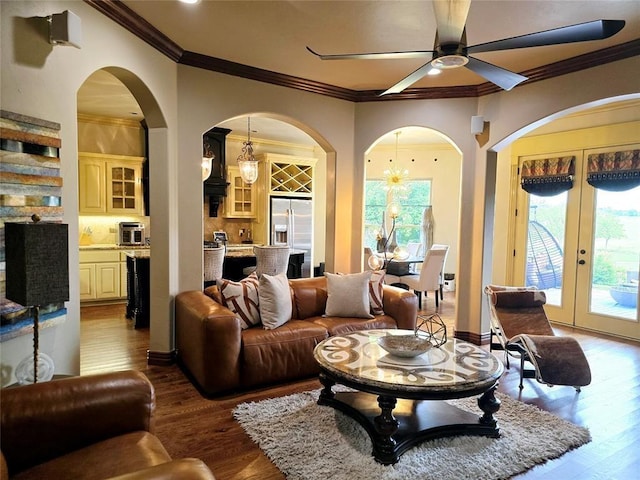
[547,176]
[614,171]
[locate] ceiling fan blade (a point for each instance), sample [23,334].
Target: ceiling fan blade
[501,77]
[596,30]
[409,80]
[374,56]
[451,17]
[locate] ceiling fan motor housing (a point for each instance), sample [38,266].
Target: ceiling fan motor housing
[448,56]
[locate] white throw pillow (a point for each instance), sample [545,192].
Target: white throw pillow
[275,300]
[348,295]
[242,299]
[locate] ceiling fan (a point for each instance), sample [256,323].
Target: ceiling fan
[451,51]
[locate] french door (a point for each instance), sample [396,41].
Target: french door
[582,247]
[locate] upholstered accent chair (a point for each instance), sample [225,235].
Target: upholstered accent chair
[520,327]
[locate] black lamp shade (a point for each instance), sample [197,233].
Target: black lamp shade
[37,263]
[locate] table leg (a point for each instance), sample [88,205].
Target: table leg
[489,404]
[326,393]
[386,425]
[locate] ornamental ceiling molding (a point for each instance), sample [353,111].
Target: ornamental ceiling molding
[134,23]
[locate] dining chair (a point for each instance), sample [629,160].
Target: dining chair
[365,259]
[439,246]
[213,263]
[429,277]
[414,249]
[271,260]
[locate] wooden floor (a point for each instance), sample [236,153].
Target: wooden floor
[609,407]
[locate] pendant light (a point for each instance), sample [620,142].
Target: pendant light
[247,163]
[394,175]
[207,161]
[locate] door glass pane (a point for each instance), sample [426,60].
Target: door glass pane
[545,244]
[616,254]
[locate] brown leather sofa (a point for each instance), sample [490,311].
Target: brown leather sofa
[92,427]
[219,356]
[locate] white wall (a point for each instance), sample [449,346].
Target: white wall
[42,81]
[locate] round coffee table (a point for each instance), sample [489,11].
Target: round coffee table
[399,400]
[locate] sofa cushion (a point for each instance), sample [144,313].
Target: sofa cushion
[309,297]
[106,459]
[348,295]
[275,300]
[342,325]
[280,354]
[242,299]
[375,292]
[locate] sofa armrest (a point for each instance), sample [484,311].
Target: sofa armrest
[183,469]
[209,340]
[402,305]
[46,420]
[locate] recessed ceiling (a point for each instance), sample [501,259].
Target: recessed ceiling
[273,35]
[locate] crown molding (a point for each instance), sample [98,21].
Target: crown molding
[127,18]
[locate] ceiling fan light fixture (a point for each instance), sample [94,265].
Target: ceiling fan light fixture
[449,61]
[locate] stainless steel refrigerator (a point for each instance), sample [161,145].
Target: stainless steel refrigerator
[292,224]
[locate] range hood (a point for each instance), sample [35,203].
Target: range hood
[215,186]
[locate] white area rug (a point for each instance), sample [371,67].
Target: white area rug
[311,442]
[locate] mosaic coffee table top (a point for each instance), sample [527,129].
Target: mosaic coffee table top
[455,366]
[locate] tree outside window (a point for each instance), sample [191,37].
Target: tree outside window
[413,199]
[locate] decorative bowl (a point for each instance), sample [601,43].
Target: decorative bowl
[406,346]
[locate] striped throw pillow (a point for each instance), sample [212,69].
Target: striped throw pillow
[242,299]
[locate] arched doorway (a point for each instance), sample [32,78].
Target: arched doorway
[120,126]
[292,166]
[590,270]
[426,167]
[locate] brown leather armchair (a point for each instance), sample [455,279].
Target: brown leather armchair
[91,427]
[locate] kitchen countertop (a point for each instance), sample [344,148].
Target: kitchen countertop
[248,252]
[112,246]
[138,253]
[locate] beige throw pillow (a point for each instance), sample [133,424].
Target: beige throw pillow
[348,295]
[275,300]
[242,299]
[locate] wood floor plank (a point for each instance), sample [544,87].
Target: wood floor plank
[609,407]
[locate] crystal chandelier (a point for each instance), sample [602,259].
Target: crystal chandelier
[395,176]
[247,163]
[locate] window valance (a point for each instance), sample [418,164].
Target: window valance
[548,176]
[614,171]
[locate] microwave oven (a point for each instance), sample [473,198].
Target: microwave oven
[131,234]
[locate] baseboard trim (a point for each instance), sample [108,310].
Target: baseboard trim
[161,359]
[472,337]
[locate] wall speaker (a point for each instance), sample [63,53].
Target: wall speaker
[65,29]
[477,125]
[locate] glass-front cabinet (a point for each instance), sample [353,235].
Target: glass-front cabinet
[241,200]
[110,184]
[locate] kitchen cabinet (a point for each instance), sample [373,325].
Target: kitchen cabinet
[110,184]
[241,199]
[102,275]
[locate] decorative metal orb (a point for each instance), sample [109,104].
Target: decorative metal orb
[434,327]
